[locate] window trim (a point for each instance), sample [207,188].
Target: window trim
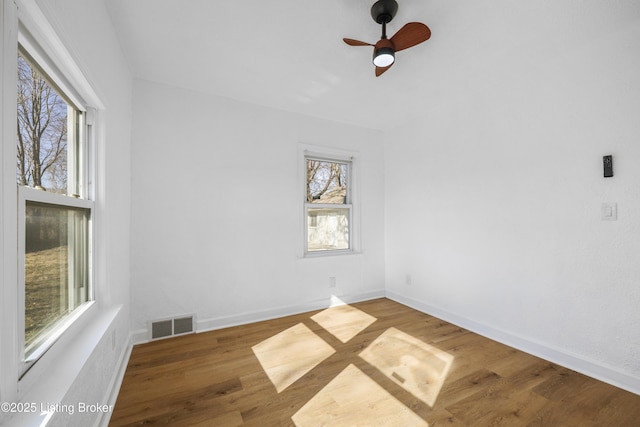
[39,40]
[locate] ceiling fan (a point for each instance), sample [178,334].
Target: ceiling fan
[384,50]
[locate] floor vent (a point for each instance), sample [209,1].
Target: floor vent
[171,327]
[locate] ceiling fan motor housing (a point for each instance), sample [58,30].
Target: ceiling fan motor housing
[383,11]
[385,48]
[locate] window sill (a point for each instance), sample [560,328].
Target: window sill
[325,254]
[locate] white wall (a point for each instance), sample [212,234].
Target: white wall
[217,210]
[83,365]
[494,196]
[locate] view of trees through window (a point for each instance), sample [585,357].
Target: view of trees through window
[42,132]
[326,182]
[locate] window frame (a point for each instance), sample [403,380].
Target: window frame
[332,156]
[81,161]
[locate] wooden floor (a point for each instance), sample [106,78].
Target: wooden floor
[376,363]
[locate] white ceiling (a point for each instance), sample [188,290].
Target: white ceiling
[289,54]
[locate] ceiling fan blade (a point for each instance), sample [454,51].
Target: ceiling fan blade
[380,70]
[352,42]
[410,35]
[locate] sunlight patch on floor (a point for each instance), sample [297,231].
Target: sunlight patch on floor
[414,365]
[354,399]
[289,355]
[343,321]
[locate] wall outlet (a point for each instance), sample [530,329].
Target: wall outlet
[332,282]
[408,280]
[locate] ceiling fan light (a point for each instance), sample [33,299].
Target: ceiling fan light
[383,57]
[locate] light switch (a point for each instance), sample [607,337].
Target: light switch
[609,212]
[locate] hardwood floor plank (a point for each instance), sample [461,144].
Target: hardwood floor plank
[163,407]
[387,364]
[466,386]
[511,363]
[443,418]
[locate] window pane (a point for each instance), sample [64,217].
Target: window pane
[56,267]
[46,122]
[327,229]
[327,181]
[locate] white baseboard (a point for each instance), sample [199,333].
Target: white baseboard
[553,354]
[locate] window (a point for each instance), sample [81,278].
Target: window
[54,210]
[328,208]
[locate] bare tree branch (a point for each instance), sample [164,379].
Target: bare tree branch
[42,132]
